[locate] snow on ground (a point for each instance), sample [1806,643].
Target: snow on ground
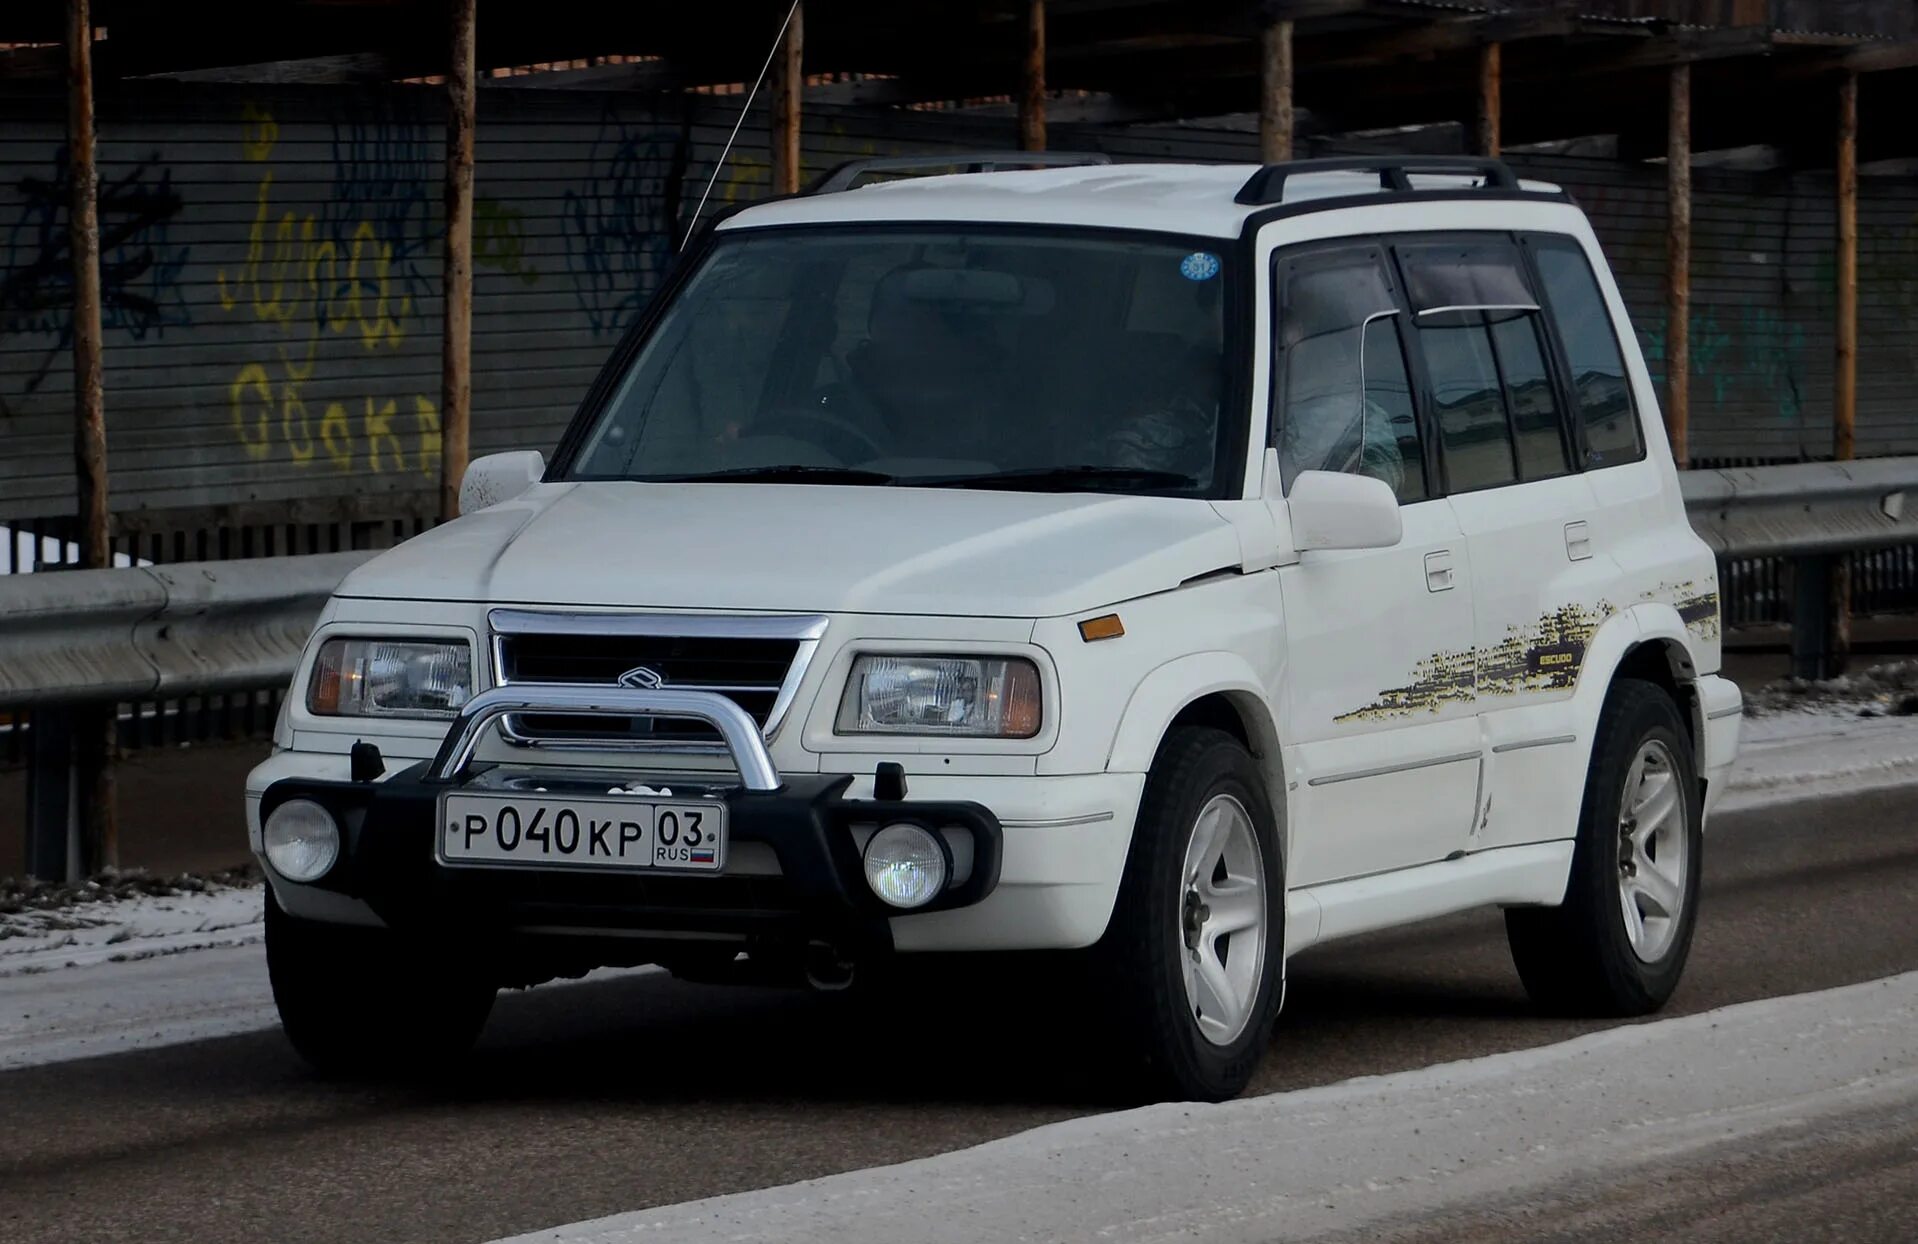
[1358,1153]
[83,934]
[95,976]
[1816,754]
[116,1007]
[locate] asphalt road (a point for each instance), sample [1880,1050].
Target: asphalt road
[605,1097]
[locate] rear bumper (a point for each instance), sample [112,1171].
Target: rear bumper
[1721,710]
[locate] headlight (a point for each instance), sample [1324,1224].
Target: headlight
[979,697]
[390,678]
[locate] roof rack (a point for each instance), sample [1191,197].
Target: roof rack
[843,177]
[1267,186]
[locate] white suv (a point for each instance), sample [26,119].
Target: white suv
[1187,565]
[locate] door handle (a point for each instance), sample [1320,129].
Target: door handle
[1578,540]
[1438,571]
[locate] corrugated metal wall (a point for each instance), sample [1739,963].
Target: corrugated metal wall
[271,262]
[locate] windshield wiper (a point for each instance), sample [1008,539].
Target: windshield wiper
[1062,479]
[787,473]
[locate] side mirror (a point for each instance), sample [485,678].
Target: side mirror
[1332,510]
[499,477]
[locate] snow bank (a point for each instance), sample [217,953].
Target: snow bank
[83,934]
[1358,1153]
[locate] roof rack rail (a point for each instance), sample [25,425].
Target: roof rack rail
[1267,186]
[843,177]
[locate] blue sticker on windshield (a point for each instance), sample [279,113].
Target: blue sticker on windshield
[1199,266]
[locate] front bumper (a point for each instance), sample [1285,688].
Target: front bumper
[811,888]
[806,837]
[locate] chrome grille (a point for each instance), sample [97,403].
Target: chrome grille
[756,661]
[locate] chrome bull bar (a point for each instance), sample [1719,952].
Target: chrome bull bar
[734,724]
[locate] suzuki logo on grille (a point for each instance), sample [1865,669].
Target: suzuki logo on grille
[640,678]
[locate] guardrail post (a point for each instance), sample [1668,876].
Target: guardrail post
[53,798]
[1811,616]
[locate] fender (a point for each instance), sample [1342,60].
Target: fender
[1643,623]
[1161,695]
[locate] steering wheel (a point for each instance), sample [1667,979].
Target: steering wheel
[823,427]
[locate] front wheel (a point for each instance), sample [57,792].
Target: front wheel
[1195,953]
[1618,944]
[366,1002]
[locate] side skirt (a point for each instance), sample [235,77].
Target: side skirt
[1533,875]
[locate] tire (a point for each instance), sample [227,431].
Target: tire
[1589,956]
[1164,924]
[366,1003]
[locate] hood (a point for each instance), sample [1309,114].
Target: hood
[808,548]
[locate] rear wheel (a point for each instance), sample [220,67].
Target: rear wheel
[1618,944]
[368,1002]
[1195,952]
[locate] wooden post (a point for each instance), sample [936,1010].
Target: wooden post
[1845,361]
[456,350]
[1032,80]
[93,757]
[83,220]
[1275,86]
[789,82]
[1678,266]
[1845,396]
[1490,63]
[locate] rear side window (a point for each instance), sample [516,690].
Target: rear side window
[1536,422]
[1343,395]
[1480,337]
[1597,379]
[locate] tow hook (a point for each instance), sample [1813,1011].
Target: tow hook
[826,969]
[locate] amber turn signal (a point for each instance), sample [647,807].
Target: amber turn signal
[1107,626]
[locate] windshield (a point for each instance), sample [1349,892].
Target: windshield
[1023,359]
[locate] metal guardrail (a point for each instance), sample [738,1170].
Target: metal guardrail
[74,639]
[77,637]
[1805,509]
[110,636]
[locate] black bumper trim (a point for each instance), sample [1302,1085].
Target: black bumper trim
[387,861]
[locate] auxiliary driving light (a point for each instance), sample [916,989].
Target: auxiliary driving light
[302,840]
[906,866]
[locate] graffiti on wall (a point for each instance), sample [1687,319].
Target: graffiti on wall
[499,240]
[1752,351]
[619,226]
[348,273]
[139,265]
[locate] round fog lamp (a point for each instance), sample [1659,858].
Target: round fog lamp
[302,840]
[905,866]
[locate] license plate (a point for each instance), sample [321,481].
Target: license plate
[542,832]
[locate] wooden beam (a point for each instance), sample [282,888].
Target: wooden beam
[1489,58]
[1678,264]
[1845,362]
[1275,93]
[456,351]
[1845,394]
[94,755]
[1032,80]
[789,80]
